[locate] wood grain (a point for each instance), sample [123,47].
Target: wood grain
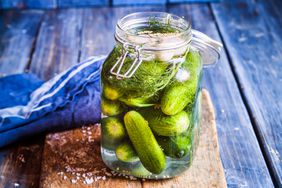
[58,43]
[138,2]
[18,31]
[79,3]
[252,34]
[242,159]
[22,4]
[20,166]
[78,151]
[192,1]
[19,163]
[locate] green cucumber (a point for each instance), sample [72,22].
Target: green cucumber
[111,92]
[138,102]
[111,108]
[165,125]
[126,153]
[113,132]
[181,93]
[144,142]
[175,146]
[140,171]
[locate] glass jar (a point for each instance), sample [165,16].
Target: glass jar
[151,95]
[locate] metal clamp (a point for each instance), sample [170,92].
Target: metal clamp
[120,62]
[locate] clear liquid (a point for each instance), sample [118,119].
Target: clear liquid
[174,166]
[179,145]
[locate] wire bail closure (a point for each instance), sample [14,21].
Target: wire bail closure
[116,69]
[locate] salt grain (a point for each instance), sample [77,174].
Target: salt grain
[73,181]
[16,184]
[89,180]
[108,174]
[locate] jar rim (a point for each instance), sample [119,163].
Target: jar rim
[125,25]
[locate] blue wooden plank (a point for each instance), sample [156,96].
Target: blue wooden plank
[58,42]
[19,4]
[192,1]
[80,3]
[138,2]
[240,153]
[252,32]
[18,31]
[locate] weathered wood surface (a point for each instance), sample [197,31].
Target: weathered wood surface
[58,42]
[242,159]
[18,31]
[138,2]
[51,4]
[76,153]
[193,1]
[80,3]
[252,34]
[21,4]
[19,163]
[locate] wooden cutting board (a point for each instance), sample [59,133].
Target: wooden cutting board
[72,159]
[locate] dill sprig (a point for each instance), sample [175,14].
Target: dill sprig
[157,26]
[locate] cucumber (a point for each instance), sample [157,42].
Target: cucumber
[111,108]
[165,125]
[144,142]
[175,146]
[111,92]
[138,102]
[181,93]
[113,132]
[126,153]
[140,171]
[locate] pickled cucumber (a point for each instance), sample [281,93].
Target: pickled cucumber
[165,125]
[126,153]
[138,102]
[175,146]
[113,132]
[181,92]
[111,92]
[111,108]
[144,142]
[140,171]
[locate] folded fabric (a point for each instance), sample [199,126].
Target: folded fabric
[29,106]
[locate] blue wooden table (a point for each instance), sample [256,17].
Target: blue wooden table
[246,85]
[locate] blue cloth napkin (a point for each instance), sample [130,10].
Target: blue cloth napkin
[29,106]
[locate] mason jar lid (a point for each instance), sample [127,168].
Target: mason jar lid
[170,32]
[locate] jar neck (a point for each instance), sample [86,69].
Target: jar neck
[153,31]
